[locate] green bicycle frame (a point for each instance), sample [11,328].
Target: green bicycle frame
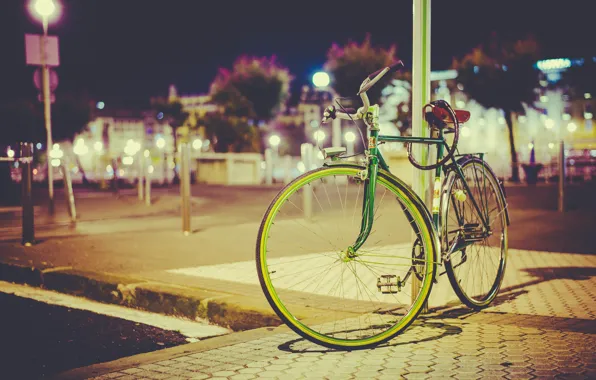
[376,160]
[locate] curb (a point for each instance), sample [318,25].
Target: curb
[238,313]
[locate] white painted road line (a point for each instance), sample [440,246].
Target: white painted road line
[193,330]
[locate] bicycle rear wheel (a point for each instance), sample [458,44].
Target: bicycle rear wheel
[324,292]
[477,259]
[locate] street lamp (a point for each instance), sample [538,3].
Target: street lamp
[321,81]
[319,135]
[350,138]
[274,141]
[47,11]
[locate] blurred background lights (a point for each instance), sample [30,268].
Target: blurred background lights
[321,79]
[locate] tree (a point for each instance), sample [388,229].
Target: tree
[580,80]
[70,115]
[260,84]
[231,133]
[171,112]
[254,91]
[501,75]
[349,65]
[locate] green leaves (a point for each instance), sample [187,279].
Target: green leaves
[255,87]
[350,64]
[500,74]
[173,111]
[231,133]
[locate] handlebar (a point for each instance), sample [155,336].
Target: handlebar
[371,80]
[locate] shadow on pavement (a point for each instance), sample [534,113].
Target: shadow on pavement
[421,322]
[510,293]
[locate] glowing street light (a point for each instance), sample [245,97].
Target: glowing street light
[319,135]
[80,148]
[197,144]
[321,79]
[350,138]
[160,142]
[10,153]
[274,140]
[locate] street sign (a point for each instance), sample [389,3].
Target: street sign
[33,50]
[53,79]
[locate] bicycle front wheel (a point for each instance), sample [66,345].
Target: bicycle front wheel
[321,289]
[477,257]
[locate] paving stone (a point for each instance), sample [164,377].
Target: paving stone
[250,370]
[239,376]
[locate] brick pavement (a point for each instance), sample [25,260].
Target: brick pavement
[542,325]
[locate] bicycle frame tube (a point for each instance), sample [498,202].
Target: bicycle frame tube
[376,160]
[368,199]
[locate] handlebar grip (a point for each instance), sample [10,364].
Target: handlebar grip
[393,68]
[329,113]
[396,66]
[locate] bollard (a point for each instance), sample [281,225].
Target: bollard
[288,169]
[115,178]
[68,192]
[147,176]
[561,176]
[141,165]
[185,186]
[28,235]
[268,166]
[307,155]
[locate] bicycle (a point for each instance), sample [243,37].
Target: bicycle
[469,210]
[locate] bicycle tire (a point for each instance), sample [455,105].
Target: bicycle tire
[413,205]
[452,185]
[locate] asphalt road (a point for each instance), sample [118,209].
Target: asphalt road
[40,340]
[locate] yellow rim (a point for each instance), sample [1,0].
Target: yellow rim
[426,233]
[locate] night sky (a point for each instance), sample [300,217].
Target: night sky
[124,51]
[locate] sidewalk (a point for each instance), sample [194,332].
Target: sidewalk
[128,254]
[541,326]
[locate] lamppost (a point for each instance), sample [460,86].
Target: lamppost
[274,141]
[321,81]
[350,138]
[47,11]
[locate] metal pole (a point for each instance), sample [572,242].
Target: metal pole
[336,132]
[306,150]
[28,234]
[268,166]
[47,115]
[288,167]
[562,176]
[141,166]
[147,176]
[68,192]
[185,186]
[420,97]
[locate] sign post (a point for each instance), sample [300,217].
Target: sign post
[43,51]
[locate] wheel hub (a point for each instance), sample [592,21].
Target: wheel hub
[348,255]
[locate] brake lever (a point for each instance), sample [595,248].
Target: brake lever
[329,113]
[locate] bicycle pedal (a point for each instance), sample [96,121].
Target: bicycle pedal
[386,286]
